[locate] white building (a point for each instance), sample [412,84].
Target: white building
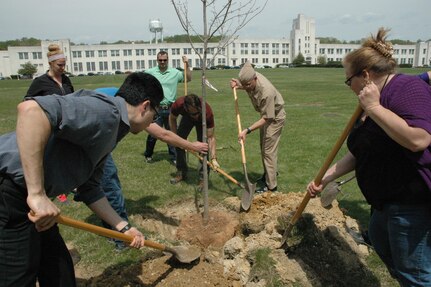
[84,59]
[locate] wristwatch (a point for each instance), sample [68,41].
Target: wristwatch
[125,228]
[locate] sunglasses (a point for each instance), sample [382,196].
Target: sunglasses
[162,60]
[348,82]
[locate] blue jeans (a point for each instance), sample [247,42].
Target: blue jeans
[112,188]
[401,236]
[163,121]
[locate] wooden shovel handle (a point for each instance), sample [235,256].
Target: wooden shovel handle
[238,119]
[185,79]
[328,161]
[219,170]
[104,231]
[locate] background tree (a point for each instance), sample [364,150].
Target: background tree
[321,60]
[299,60]
[220,18]
[27,69]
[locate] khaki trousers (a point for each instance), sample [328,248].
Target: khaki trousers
[269,141]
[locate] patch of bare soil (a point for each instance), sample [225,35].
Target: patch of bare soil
[320,251]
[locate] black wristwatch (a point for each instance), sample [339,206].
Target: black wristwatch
[248,130]
[125,228]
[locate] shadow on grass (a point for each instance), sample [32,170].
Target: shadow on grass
[130,273]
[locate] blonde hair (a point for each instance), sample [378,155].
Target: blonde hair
[374,55]
[55,53]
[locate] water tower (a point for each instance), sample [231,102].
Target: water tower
[156,27]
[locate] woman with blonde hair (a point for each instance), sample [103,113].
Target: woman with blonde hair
[390,153]
[54,81]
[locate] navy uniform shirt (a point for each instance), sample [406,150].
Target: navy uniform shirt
[85,128]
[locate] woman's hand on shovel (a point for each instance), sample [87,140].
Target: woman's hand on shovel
[138,237]
[314,189]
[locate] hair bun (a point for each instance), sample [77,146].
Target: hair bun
[385,49]
[53,47]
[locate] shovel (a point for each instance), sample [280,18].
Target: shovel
[218,170]
[247,195]
[321,173]
[330,192]
[181,253]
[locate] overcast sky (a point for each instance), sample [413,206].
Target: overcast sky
[92,21]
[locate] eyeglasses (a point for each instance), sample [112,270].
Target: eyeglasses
[156,111]
[348,82]
[162,60]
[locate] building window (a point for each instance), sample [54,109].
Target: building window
[265,48]
[115,53]
[128,65]
[77,67]
[77,54]
[176,51]
[152,52]
[139,52]
[339,51]
[102,53]
[116,65]
[127,52]
[275,48]
[140,65]
[103,66]
[23,55]
[91,66]
[152,63]
[89,54]
[187,51]
[176,63]
[37,55]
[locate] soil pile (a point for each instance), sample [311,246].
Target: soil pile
[243,248]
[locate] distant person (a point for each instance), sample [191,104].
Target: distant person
[54,81]
[269,103]
[110,181]
[189,107]
[61,143]
[169,78]
[390,154]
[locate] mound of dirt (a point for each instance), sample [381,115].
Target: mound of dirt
[320,250]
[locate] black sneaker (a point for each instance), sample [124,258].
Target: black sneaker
[265,189]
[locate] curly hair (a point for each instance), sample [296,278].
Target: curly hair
[374,55]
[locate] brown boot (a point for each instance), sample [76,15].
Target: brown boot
[178,177]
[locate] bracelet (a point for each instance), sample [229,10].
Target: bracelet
[125,228]
[248,130]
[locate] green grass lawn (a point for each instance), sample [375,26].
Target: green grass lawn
[318,106]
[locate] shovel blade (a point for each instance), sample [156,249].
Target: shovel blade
[247,196]
[185,254]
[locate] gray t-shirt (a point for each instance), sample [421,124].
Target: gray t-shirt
[86,126]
